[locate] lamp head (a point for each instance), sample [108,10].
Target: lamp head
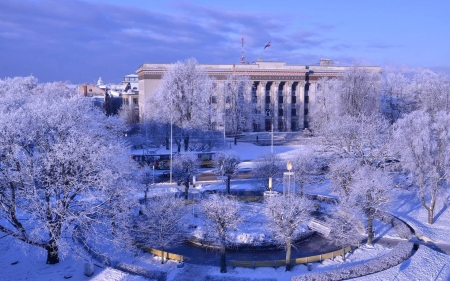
[289,165]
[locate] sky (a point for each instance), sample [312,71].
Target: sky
[82,40]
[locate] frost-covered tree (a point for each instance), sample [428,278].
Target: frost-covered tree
[285,214]
[62,166]
[237,104]
[397,98]
[359,92]
[343,228]
[369,193]
[147,178]
[128,115]
[184,167]
[356,93]
[364,138]
[325,108]
[422,141]
[162,222]
[341,175]
[227,163]
[432,90]
[268,166]
[222,213]
[182,100]
[303,166]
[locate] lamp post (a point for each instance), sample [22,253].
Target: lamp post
[153,175]
[287,179]
[171,148]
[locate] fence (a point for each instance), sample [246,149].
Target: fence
[165,255]
[276,263]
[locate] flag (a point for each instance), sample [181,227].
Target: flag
[267,45]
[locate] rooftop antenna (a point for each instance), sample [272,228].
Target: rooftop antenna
[242,51]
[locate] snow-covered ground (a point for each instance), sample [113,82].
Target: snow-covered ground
[23,262]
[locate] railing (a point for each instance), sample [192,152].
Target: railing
[163,254]
[276,263]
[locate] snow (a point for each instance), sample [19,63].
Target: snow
[425,264]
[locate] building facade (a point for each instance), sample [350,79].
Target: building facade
[282,94]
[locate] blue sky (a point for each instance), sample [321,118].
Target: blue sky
[79,41]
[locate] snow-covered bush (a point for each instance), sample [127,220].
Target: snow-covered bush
[397,255]
[402,229]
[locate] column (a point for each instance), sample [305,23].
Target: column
[261,92]
[287,105]
[300,94]
[274,100]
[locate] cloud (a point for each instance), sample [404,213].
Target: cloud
[79,41]
[378,45]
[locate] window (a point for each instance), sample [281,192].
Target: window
[280,112]
[318,87]
[306,99]
[280,99]
[267,99]
[135,101]
[293,112]
[213,99]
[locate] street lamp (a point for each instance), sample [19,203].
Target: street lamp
[287,175]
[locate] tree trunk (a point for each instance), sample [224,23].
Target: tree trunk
[430,215]
[162,255]
[52,252]
[223,259]
[186,144]
[369,230]
[228,184]
[288,256]
[186,190]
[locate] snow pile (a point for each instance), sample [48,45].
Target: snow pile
[138,270]
[426,264]
[400,253]
[402,229]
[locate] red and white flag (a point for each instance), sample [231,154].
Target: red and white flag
[267,45]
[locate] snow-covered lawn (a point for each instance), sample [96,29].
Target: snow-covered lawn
[425,264]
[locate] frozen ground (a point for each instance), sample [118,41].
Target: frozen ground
[22,262]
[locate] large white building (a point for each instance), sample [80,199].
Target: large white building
[282,93]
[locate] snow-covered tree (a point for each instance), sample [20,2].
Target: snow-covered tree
[62,166]
[227,163]
[422,141]
[303,167]
[325,108]
[237,104]
[285,214]
[364,138]
[369,193]
[268,166]
[432,90]
[397,97]
[341,175]
[222,212]
[343,228]
[359,92]
[182,100]
[184,167]
[147,178]
[162,222]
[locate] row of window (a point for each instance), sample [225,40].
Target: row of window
[126,101]
[281,112]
